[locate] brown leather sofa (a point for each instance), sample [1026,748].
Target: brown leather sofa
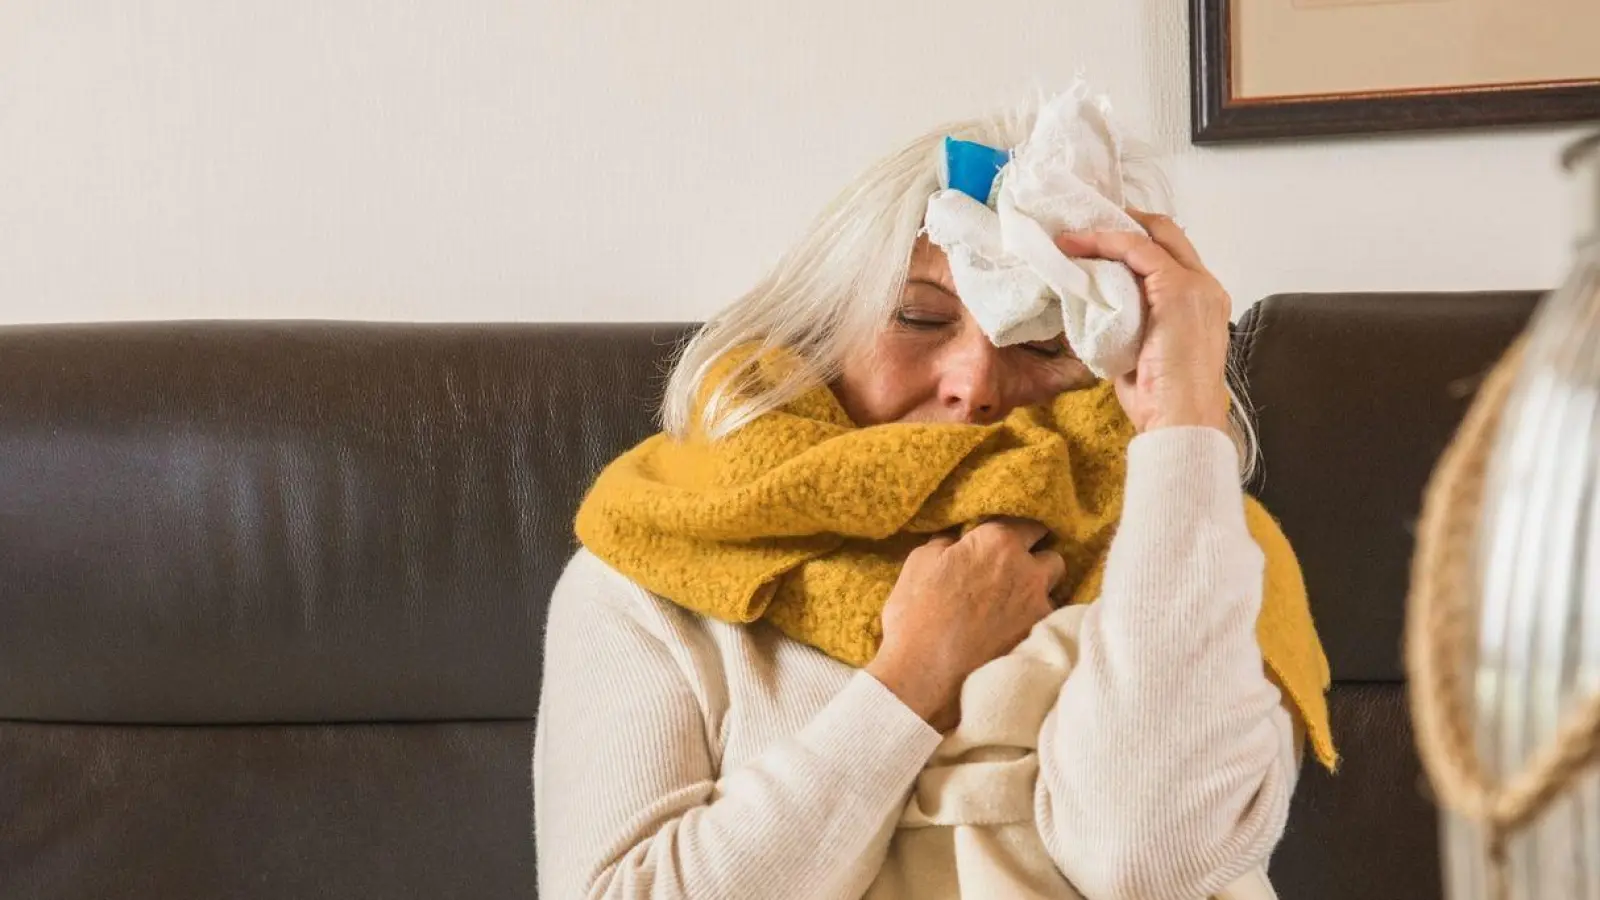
[271,593]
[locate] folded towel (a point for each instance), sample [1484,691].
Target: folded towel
[1067,177]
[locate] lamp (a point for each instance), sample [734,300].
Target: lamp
[1503,625]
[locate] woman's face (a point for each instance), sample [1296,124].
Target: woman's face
[932,363]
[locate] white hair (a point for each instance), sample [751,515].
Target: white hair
[831,293]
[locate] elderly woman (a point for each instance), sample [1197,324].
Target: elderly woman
[856,624]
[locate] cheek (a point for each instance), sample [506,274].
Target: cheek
[888,384]
[1036,380]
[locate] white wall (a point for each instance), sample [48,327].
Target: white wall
[630,159]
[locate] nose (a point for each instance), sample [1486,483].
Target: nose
[970,388]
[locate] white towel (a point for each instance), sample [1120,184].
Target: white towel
[1019,286]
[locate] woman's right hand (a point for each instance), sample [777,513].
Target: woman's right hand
[959,604]
[1180,377]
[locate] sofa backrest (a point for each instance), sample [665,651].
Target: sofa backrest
[1357,395]
[271,593]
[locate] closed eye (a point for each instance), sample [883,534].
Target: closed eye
[920,322]
[1051,349]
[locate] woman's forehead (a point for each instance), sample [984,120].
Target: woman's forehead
[929,263]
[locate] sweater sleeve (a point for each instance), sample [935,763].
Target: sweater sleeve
[629,799]
[1167,764]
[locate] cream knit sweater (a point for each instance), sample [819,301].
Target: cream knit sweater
[1133,748]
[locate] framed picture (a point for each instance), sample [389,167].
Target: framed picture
[1264,69]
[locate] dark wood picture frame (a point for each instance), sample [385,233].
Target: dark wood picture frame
[1217,118]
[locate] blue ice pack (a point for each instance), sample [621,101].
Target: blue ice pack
[971,167]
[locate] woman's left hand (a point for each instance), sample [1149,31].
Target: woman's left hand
[1180,377]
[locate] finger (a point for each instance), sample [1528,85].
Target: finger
[930,553]
[1024,532]
[1027,532]
[1055,569]
[1171,236]
[1139,252]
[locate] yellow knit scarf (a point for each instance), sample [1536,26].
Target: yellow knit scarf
[804,519]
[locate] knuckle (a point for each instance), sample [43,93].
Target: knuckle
[1021,538]
[980,537]
[995,534]
[1050,572]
